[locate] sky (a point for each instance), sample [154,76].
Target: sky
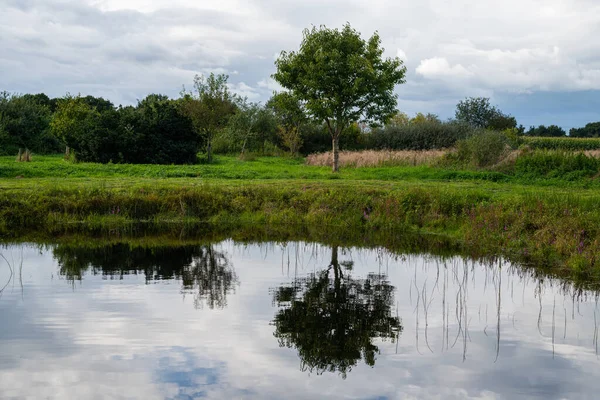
[538,60]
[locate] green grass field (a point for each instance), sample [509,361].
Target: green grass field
[54,170]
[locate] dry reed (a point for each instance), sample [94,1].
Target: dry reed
[373,158]
[24,155]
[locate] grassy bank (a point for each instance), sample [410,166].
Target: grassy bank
[544,218]
[542,226]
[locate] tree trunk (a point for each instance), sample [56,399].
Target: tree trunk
[336,270]
[336,154]
[67,152]
[209,151]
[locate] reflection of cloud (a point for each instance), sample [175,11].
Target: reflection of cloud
[119,339]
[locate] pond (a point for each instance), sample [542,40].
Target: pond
[287,320]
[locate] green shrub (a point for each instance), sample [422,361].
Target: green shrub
[153,132]
[427,135]
[317,139]
[484,148]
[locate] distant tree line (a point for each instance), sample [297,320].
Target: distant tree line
[161,130]
[338,93]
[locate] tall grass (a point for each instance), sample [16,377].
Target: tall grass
[24,155]
[373,158]
[541,226]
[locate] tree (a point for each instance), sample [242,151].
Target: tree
[591,129]
[479,113]
[153,132]
[160,133]
[500,122]
[341,79]
[98,103]
[210,277]
[421,118]
[25,123]
[72,121]
[546,131]
[290,114]
[209,106]
[399,119]
[251,122]
[332,321]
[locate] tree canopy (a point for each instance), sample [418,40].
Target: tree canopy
[479,113]
[591,129]
[209,105]
[341,79]
[548,131]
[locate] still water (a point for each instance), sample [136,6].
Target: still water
[287,321]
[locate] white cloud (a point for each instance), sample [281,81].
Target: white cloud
[439,67]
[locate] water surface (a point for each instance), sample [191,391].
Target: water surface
[287,321]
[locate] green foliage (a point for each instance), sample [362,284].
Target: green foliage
[553,164]
[479,113]
[251,127]
[341,78]
[562,143]
[291,116]
[317,139]
[25,123]
[546,131]
[514,138]
[483,149]
[421,135]
[590,130]
[154,132]
[158,133]
[421,118]
[209,106]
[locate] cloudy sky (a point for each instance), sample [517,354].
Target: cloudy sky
[537,59]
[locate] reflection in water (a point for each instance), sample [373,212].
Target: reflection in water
[332,322]
[203,271]
[469,329]
[449,296]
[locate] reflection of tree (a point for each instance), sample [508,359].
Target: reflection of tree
[211,277]
[203,270]
[332,322]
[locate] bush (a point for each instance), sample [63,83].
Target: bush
[317,139]
[427,135]
[484,148]
[154,132]
[25,123]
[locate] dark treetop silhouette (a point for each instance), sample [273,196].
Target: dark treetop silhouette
[204,271]
[332,322]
